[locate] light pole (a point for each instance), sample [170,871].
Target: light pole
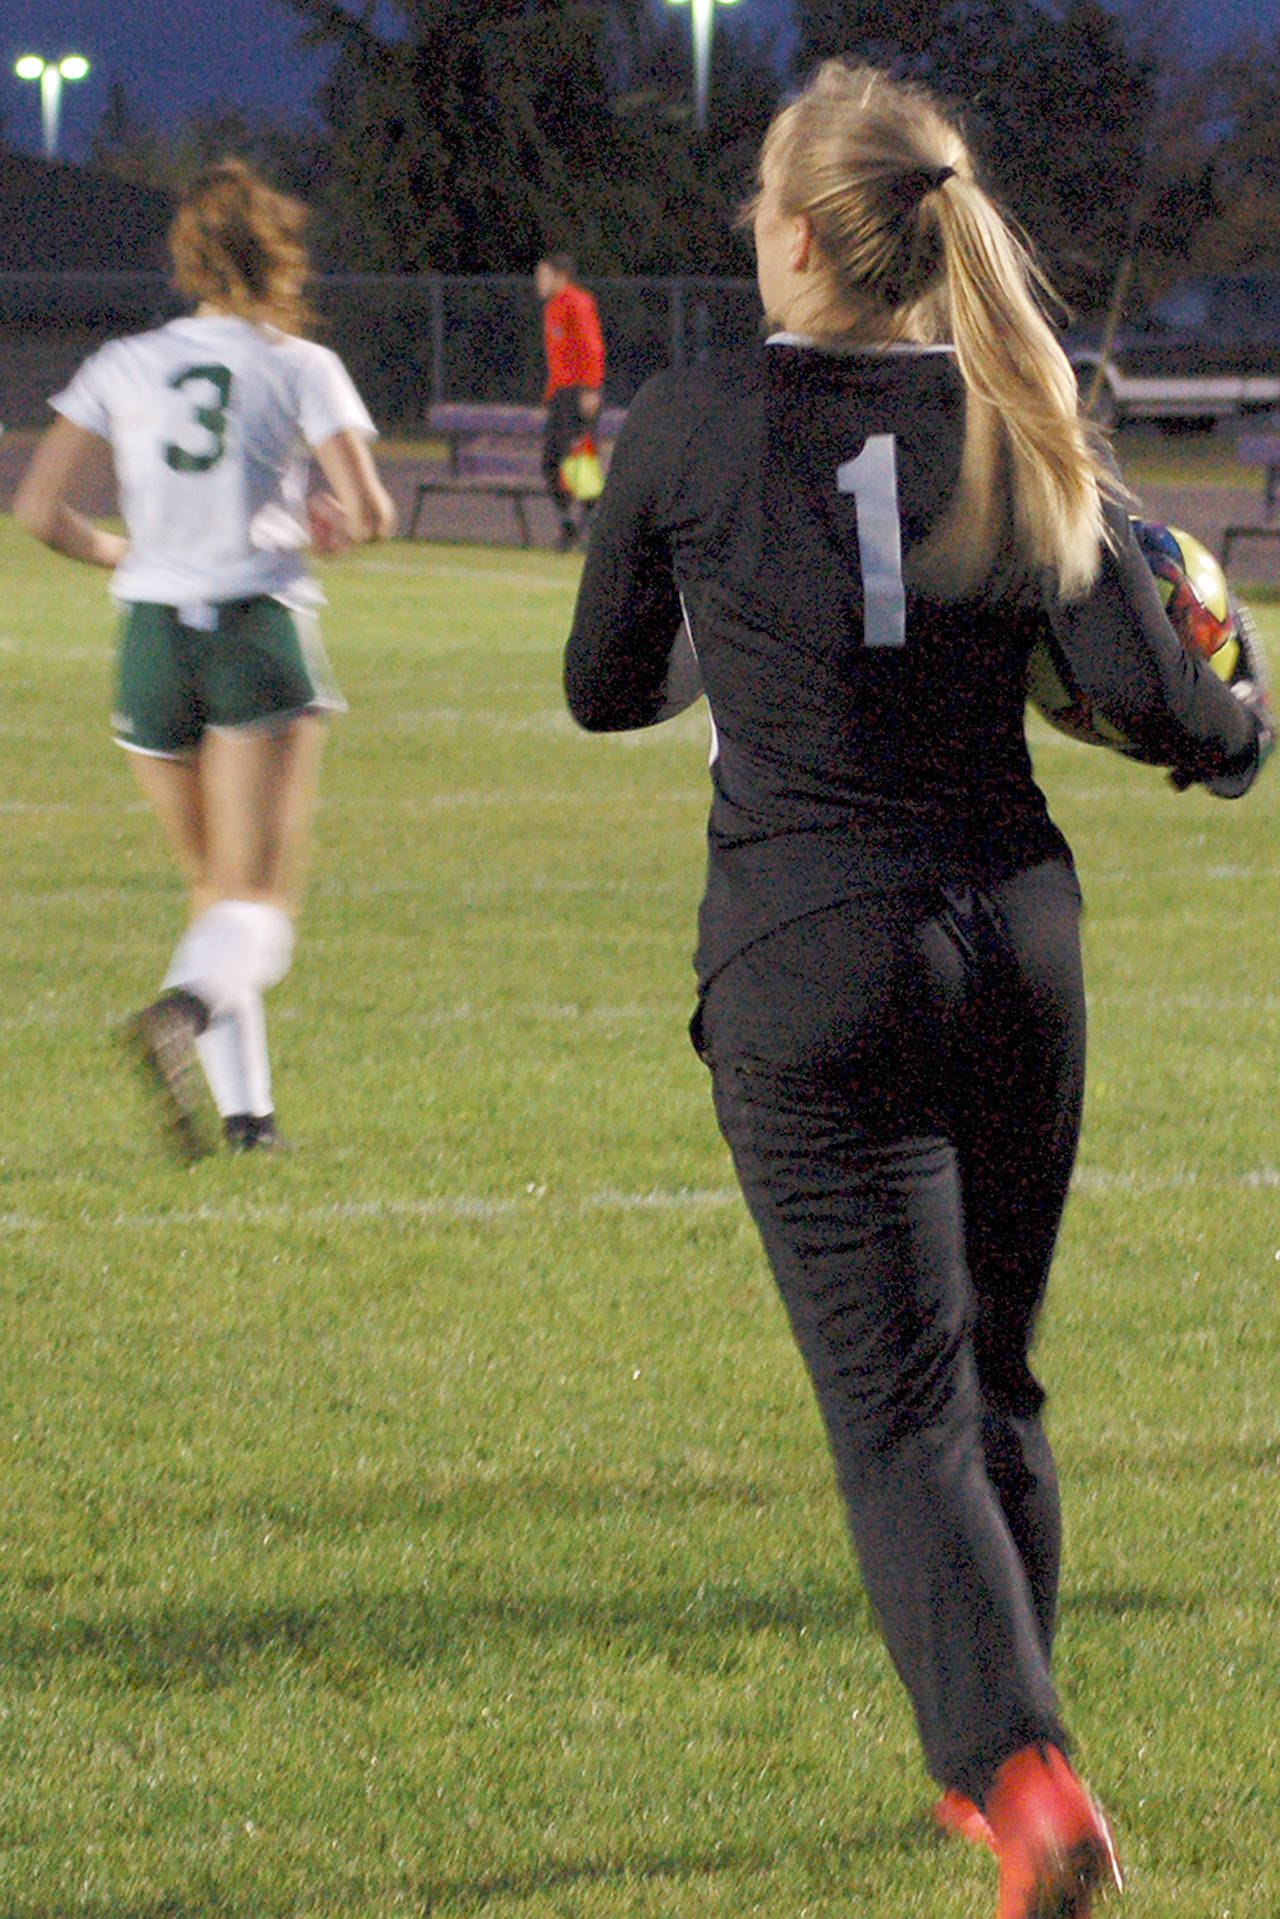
[51,74]
[702,13]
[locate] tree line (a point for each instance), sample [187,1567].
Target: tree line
[470,136]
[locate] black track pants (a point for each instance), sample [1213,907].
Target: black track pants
[565,426]
[900,1082]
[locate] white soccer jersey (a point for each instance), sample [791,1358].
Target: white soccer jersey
[210,420]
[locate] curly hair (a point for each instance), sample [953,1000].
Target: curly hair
[237,245]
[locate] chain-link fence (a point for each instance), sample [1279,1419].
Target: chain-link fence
[408,340]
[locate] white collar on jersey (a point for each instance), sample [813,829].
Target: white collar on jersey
[783,338]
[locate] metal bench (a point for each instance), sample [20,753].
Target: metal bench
[494,450]
[1258,449]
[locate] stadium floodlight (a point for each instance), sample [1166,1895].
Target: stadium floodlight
[51,74]
[702,15]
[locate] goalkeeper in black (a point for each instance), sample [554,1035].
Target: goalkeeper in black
[852,538]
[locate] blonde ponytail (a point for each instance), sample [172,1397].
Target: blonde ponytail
[917,252]
[1010,359]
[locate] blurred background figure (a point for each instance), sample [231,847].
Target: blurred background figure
[575,375]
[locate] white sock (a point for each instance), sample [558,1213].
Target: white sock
[235,947]
[229,957]
[256,1059]
[222,1057]
[237,1064]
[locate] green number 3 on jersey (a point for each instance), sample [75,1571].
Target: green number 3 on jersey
[211,419]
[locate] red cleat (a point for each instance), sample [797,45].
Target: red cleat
[954,1813]
[1053,1843]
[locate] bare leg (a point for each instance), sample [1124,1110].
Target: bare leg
[238,820]
[172,789]
[257,788]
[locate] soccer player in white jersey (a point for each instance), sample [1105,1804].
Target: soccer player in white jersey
[223,689]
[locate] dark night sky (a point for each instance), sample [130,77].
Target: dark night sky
[170,55]
[175,55]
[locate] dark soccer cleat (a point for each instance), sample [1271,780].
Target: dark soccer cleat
[162,1041]
[254,1132]
[1052,1840]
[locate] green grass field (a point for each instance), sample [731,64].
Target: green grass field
[436,1520]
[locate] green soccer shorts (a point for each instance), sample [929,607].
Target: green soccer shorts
[257,661]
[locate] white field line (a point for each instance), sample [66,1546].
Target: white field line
[552,721]
[556,723]
[488,1209]
[454,1207]
[1156,1000]
[514,798]
[50,806]
[548,719]
[1222,875]
[562,582]
[38,647]
[1099,1179]
[468,1013]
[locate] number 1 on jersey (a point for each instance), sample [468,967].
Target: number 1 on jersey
[872,478]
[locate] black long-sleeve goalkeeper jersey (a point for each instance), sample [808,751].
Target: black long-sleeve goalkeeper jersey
[865,735]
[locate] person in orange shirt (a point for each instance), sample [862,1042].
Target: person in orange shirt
[575,374]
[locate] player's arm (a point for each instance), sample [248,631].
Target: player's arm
[66,457]
[628,645]
[1121,651]
[367,509]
